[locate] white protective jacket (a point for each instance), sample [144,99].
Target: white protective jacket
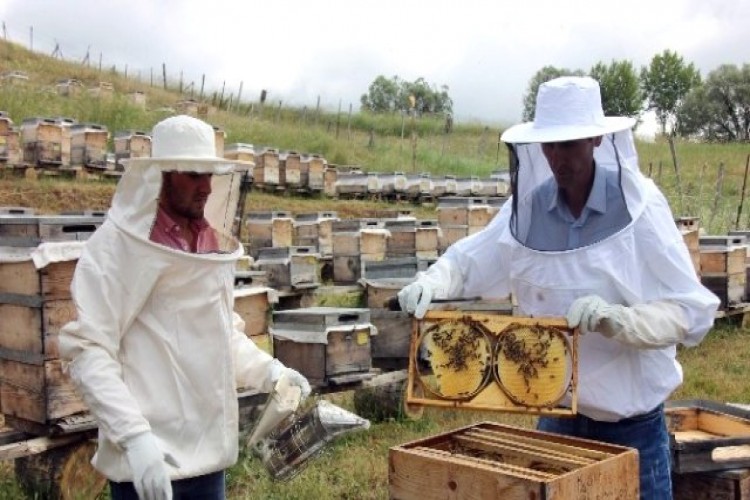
[156,345]
[645,261]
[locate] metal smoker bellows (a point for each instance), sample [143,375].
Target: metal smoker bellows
[301,436]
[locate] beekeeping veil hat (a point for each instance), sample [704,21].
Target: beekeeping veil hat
[568,109]
[187,145]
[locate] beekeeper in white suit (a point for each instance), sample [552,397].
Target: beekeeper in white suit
[157,351]
[585,235]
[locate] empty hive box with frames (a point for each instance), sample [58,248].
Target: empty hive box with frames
[493,362]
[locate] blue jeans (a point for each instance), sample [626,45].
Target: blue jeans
[208,487]
[647,433]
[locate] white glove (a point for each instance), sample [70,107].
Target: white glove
[294,377]
[645,326]
[415,298]
[441,280]
[148,462]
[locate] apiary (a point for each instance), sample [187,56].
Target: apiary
[35,303]
[707,436]
[325,344]
[462,359]
[492,460]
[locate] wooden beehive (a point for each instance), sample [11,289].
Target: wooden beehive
[426,239]
[733,484]
[454,210]
[746,235]
[325,344]
[102,90]
[398,267]
[219,138]
[69,87]
[42,140]
[26,230]
[187,107]
[444,186]
[707,436]
[253,304]
[689,227]
[293,170]
[10,145]
[131,144]
[346,260]
[240,151]
[88,145]
[492,460]
[316,168]
[35,304]
[402,241]
[138,99]
[723,267]
[373,239]
[493,362]
[290,268]
[449,235]
[260,229]
[351,184]
[330,178]
[390,347]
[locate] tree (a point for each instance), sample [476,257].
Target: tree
[382,95]
[718,110]
[395,95]
[545,74]
[620,88]
[665,83]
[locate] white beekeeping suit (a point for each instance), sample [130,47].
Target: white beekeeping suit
[639,270]
[157,350]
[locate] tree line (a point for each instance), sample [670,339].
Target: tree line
[715,109]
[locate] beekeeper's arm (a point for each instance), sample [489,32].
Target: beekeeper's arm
[678,308]
[256,368]
[106,304]
[473,266]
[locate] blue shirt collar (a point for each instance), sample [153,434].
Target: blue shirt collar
[597,197]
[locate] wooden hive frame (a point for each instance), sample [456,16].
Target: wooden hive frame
[491,397]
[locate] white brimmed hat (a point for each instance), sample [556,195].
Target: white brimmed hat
[567,108]
[183,139]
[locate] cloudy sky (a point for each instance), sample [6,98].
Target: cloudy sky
[484,51]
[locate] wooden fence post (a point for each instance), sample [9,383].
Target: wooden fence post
[719,184]
[742,194]
[677,172]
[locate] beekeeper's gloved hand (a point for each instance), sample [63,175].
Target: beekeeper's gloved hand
[653,325]
[294,377]
[416,297]
[149,465]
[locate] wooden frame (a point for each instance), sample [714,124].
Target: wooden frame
[491,397]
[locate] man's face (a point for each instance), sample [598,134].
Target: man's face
[571,161]
[186,193]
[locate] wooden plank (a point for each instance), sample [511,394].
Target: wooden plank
[19,278]
[38,445]
[723,425]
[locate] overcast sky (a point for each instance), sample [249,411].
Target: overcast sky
[484,51]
